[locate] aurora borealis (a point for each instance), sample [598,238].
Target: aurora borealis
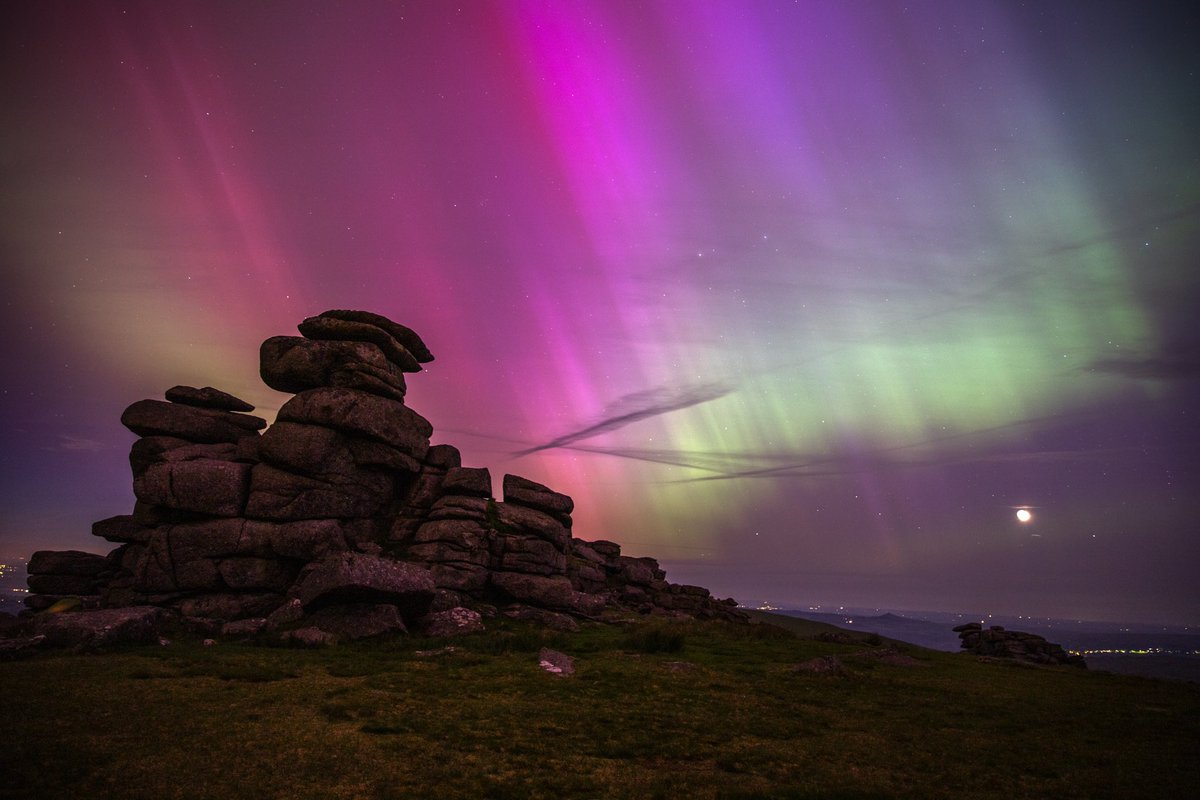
[804,299]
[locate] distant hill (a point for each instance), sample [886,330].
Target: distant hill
[1150,654]
[935,636]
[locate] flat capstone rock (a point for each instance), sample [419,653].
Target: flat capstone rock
[207,397]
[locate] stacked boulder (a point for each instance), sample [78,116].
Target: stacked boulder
[340,519]
[996,642]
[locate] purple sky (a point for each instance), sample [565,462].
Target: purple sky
[804,299]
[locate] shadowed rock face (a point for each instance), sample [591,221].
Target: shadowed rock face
[341,517]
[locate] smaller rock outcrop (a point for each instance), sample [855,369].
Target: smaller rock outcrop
[996,642]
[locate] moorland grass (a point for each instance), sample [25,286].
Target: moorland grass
[696,710]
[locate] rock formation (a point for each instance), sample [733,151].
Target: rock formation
[997,642]
[340,516]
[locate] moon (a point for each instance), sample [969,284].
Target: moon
[1024,515]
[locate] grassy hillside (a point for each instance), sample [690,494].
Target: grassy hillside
[654,710]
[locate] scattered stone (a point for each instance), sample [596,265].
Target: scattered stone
[441,651]
[889,655]
[207,397]
[556,663]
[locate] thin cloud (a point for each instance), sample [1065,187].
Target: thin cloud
[635,407]
[1166,367]
[78,444]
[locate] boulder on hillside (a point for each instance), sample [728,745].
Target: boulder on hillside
[100,628]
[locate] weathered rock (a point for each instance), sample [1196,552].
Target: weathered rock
[525,492]
[610,550]
[469,481]
[452,622]
[247,573]
[354,411]
[243,628]
[554,592]
[229,606]
[459,576]
[295,364]
[638,571]
[285,496]
[532,555]
[63,584]
[17,647]
[152,450]
[203,425]
[443,456]
[101,628]
[311,637]
[350,621]
[329,329]
[359,578]
[219,488]
[207,397]
[404,335]
[121,528]
[286,614]
[66,562]
[453,506]
[511,519]
[467,536]
[543,617]
[556,663]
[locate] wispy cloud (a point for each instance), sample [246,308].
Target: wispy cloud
[637,406]
[78,444]
[1171,366]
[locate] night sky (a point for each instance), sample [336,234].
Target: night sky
[804,299]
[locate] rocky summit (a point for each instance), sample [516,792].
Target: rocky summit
[340,520]
[996,642]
